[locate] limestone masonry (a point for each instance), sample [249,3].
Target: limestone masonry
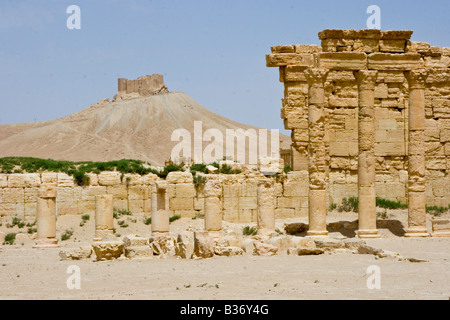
[142,86]
[370,117]
[369,112]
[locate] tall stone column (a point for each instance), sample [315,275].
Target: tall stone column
[213,207]
[104,217]
[160,209]
[416,155]
[367,215]
[46,217]
[317,152]
[266,207]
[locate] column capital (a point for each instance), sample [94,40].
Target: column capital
[316,76]
[416,78]
[366,79]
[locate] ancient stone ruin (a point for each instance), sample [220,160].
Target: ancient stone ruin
[369,112]
[370,117]
[141,87]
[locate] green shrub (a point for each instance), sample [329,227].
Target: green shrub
[85,217]
[199,181]
[80,178]
[287,169]
[198,167]
[117,213]
[147,221]
[32,230]
[249,231]
[349,204]
[226,169]
[436,210]
[388,204]
[66,235]
[10,238]
[169,168]
[174,218]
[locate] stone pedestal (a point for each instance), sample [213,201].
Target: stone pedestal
[266,207]
[416,155]
[104,218]
[367,216]
[46,217]
[318,157]
[213,206]
[160,208]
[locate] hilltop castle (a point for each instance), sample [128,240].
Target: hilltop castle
[142,86]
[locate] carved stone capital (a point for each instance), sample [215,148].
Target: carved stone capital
[366,79]
[417,78]
[316,76]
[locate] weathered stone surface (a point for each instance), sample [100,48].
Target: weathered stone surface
[108,250]
[138,252]
[203,245]
[284,59]
[162,244]
[179,177]
[295,228]
[79,253]
[228,251]
[264,249]
[184,246]
[133,240]
[342,60]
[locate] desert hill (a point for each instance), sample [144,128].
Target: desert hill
[137,128]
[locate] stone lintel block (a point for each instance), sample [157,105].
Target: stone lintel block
[396,34]
[285,59]
[350,34]
[391,61]
[294,73]
[393,46]
[282,49]
[307,48]
[343,60]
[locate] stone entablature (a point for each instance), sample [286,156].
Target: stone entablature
[383,102]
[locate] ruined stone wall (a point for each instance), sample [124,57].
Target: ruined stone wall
[19,194]
[391,55]
[142,86]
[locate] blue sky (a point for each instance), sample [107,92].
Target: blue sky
[212,50]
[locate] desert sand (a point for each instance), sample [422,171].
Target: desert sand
[28,273]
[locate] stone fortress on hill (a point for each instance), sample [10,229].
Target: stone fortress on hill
[143,86]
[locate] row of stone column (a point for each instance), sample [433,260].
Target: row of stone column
[318,163]
[104,220]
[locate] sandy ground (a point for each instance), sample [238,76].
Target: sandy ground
[27,273]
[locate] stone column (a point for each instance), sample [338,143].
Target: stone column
[266,207]
[317,153]
[367,214]
[46,217]
[104,218]
[213,207]
[416,155]
[160,209]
